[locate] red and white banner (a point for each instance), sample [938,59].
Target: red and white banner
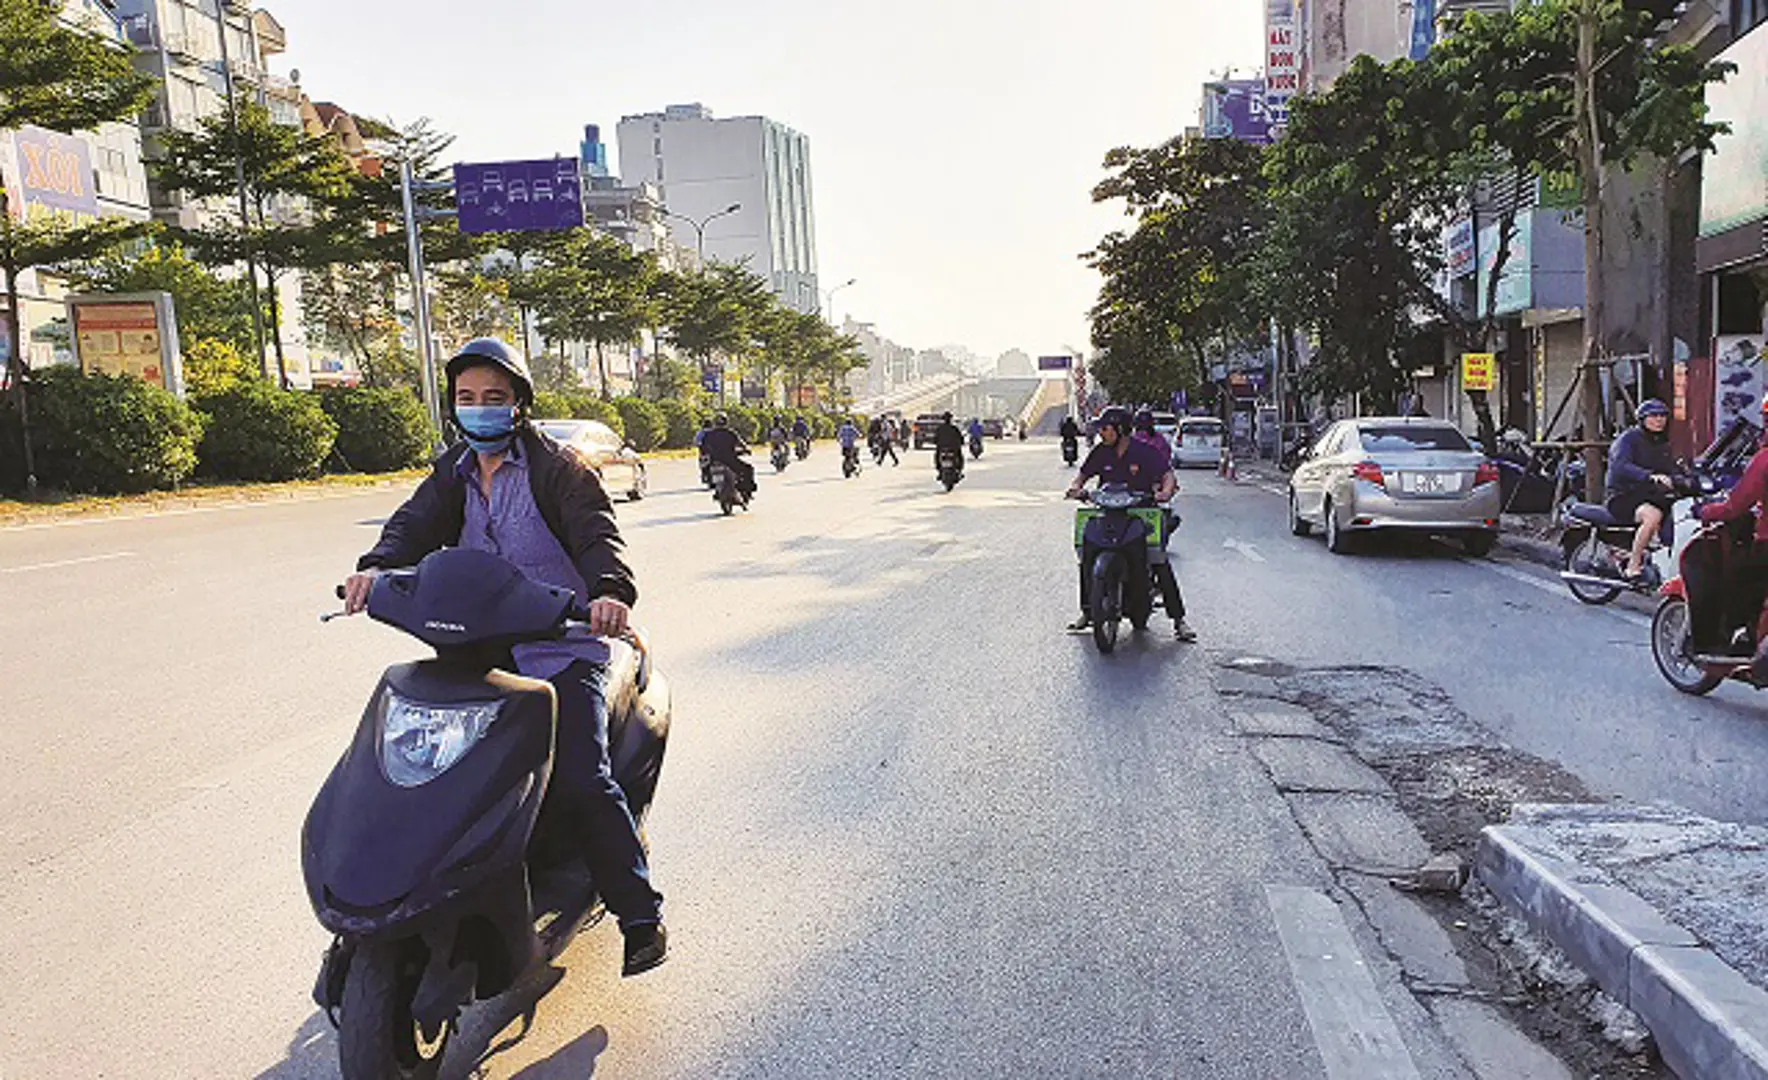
[1282,60]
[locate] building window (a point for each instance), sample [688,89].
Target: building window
[1747,14]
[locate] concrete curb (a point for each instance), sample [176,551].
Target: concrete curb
[1710,1023]
[1531,549]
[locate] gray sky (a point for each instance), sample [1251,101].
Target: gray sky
[954,142]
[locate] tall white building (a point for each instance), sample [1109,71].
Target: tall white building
[705,165]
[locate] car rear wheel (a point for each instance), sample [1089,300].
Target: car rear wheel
[1298,525]
[1337,540]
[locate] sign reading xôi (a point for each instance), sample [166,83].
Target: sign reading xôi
[1479,371]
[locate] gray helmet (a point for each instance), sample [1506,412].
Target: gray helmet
[495,353]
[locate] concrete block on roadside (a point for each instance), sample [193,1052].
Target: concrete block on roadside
[1277,720]
[1597,924]
[1492,1046]
[1709,1021]
[1311,765]
[1362,832]
[1423,948]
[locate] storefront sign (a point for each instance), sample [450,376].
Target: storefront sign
[1235,109]
[1734,176]
[1458,244]
[1737,378]
[1479,371]
[1282,61]
[54,176]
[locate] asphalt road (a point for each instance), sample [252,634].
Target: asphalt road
[907,825]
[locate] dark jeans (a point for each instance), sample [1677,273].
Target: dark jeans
[1163,575]
[584,780]
[887,447]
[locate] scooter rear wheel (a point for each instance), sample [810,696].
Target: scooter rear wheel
[377,1038]
[1670,648]
[1588,558]
[1105,598]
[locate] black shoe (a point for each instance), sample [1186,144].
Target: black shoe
[647,945]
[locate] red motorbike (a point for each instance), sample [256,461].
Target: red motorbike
[1710,618]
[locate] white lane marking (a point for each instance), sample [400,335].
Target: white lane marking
[67,562]
[1555,587]
[1243,548]
[1356,1035]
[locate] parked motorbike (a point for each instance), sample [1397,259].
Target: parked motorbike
[1070,451]
[705,472]
[1128,532]
[1708,623]
[726,490]
[975,446]
[850,461]
[951,468]
[781,457]
[1595,546]
[801,446]
[432,852]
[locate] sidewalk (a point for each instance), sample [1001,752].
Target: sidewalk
[1666,910]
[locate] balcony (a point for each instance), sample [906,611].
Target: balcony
[182,46]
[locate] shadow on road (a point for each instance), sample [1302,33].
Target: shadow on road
[573,1060]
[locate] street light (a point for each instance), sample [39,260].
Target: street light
[700,226]
[829,298]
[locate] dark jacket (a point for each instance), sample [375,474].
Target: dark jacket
[723,445]
[568,493]
[948,437]
[1070,429]
[1634,459]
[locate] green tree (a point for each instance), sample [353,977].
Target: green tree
[296,186]
[64,79]
[590,287]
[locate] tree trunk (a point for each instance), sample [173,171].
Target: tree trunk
[15,358]
[282,371]
[1590,165]
[601,370]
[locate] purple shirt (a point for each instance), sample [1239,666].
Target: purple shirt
[1158,442]
[510,525]
[1138,468]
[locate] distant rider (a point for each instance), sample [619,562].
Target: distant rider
[512,491]
[699,444]
[1120,459]
[848,436]
[947,437]
[801,432]
[1641,467]
[726,447]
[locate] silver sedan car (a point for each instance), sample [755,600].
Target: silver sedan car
[619,465]
[1391,473]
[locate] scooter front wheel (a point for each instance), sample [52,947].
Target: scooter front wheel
[1105,599]
[377,1038]
[1670,647]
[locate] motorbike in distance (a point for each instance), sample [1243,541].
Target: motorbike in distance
[726,491]
[1070,451]
[975,446]
[432,851]
[781,457]
[950,464]
[1595,546]
[801,446]
[1128,532]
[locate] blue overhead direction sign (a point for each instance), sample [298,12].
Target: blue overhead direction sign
[519,196]
[1055,363]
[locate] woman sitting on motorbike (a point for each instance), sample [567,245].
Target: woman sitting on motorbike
[1641,485]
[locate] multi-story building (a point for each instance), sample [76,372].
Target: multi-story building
[198,51]
[704,166]
[87,174]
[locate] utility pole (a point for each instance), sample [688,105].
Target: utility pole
[420,298]
[1589,141]
[245,218]
[15,355]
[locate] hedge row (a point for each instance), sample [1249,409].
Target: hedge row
[119,435]
[102,434]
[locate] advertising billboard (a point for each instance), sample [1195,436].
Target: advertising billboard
[1734,177]
[52,176]
[1282,61]
[519,196]
[134,334]
[1738,378]
[1235,109]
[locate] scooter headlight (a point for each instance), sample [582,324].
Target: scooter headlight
[420,742]
[1114,500]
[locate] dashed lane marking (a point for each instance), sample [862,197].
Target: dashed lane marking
[67,562]
[1556,588]
[1356,1035]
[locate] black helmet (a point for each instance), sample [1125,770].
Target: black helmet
[1651,407]
[1145,421]
[705,421]
[947,417]
[495,353]
[720,420]
[1116,417]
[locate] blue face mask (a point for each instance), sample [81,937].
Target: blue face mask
[489,429]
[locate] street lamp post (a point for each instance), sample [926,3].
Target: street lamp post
[700,225]
[829,298]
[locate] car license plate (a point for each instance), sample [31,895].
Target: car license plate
[1425,483]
